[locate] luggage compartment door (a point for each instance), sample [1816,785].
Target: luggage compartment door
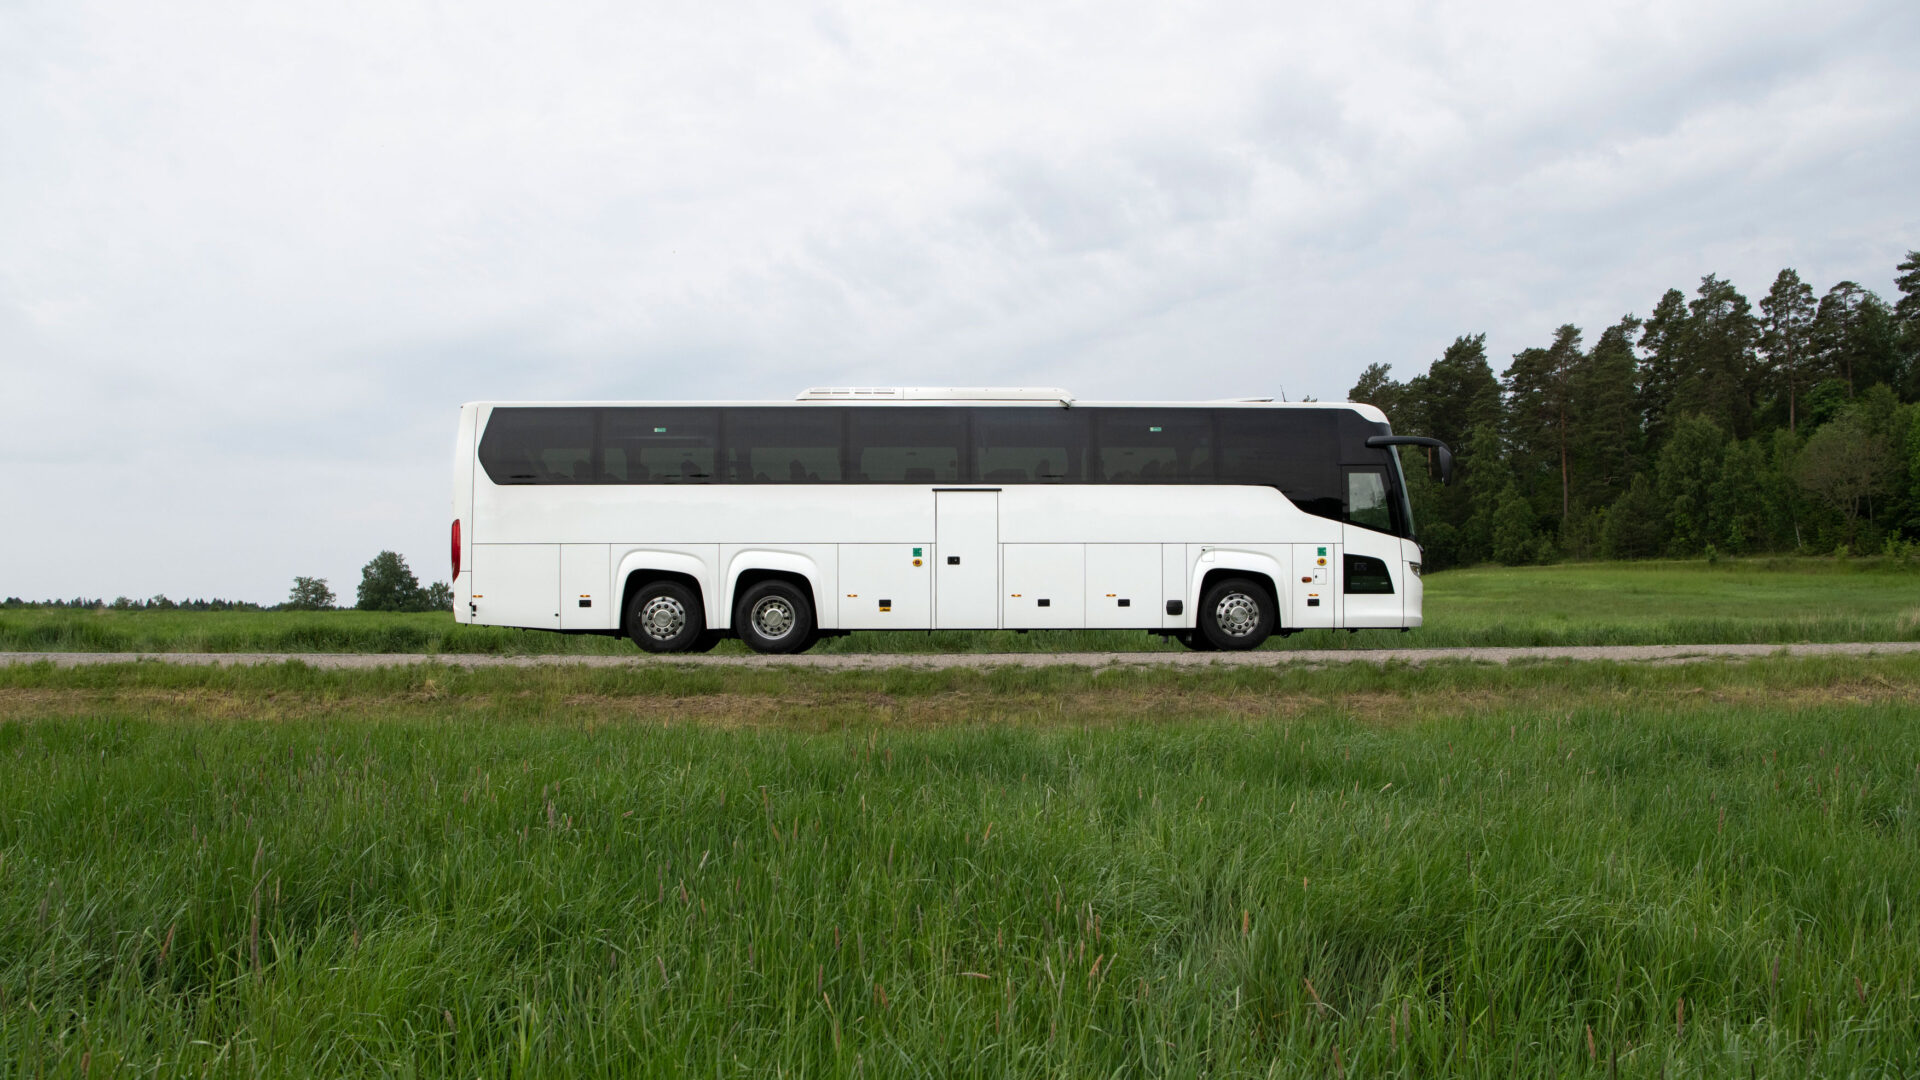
[1123,586]
[586,602]
[885,587]
[1045,586]
[517,585]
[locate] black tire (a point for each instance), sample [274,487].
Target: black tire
[774,617]
[706,641]
[678,620]
[1195,640]
[1247,610]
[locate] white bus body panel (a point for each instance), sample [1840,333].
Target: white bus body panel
[1414,597]
[1045,586]
[882,589]
[1380,610]
[517,585]
[1123,588]
[1315,586]
[586,603]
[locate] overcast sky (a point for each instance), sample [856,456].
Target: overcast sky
[253,256]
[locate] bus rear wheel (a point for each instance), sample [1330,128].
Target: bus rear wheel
[666,617]
[1236,614]
[775,617]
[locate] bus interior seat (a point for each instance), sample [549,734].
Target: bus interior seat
[796,472]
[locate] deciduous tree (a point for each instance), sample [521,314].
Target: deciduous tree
[310,594]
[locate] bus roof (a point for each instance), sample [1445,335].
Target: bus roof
[961,395]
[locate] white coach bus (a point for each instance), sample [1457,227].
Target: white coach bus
[1219,523]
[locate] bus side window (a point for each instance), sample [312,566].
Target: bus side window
[891,445]
[660,446]
[1029,446]
[1155,446]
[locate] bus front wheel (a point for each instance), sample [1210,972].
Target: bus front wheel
[775,617]
[1236,614]
[666,617]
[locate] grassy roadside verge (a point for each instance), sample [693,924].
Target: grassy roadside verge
[1583,869]
[1750,602]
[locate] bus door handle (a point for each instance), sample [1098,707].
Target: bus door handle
[953,560]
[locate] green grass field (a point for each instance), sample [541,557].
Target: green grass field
[1771,601]
[1553,869]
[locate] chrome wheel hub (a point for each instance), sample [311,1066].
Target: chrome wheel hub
[1237,614]
[773,617]
[663,618]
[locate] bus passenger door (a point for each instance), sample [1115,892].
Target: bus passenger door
[1372,564]
[966,560]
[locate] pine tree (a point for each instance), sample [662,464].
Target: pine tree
[1907,309]
[1539,404]
[1377,388]
[1663,343]
[1458,392]
[1604,431]
[1856,338]
[1717,375]
[1786,337]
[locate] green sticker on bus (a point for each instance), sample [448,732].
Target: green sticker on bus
[916,553]
[1323,551]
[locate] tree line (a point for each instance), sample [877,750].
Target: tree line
[386,584]
[1711,425]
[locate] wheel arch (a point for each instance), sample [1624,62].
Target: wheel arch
[1262,569]
[642,568]
[749,568]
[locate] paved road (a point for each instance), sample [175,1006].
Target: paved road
[1659,654]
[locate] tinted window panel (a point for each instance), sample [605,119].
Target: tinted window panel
[1367,575]
[906,445]
[1156,446]
[784,446]
[660,446]
[1293,450]
[539,446]
[1029,446]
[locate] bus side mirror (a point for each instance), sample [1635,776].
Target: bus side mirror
[1441,452]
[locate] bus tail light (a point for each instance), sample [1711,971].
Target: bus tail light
[456,549]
